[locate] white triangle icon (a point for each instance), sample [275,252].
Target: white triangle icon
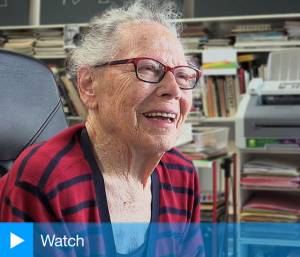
[15,240]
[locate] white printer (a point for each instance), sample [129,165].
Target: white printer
[269,116]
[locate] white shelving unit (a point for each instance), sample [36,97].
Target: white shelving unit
[245,192]
[218,120]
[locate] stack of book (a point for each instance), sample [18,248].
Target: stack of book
[271,207]
[49,43]
[216,43]
[258,35]
[193,36]
[270,174]
[207,207]
[19,41]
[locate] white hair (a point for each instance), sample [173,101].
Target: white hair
[100,43]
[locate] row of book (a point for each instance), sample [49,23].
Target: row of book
[39,43]
[257,35]
[273,206]
[207,207]
[266,35]
[252,35]
[220,96]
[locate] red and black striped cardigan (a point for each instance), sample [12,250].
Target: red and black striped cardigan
[59,180]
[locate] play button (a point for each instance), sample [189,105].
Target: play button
[15,240]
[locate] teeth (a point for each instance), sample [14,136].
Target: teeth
[161,114]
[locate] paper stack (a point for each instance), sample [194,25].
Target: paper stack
[270,174]
[49,43]
[272,207]
[19,41]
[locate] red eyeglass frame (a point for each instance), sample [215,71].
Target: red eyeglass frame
[166,68]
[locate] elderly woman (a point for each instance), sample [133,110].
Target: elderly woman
[120,166]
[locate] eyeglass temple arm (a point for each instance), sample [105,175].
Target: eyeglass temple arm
[114,62]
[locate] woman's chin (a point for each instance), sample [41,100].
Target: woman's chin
[159,144]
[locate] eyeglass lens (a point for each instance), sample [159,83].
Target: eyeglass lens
[153,71]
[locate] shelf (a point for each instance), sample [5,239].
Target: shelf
[218,120]
[243,50]
[280,189]
[271,151]
[47,26]
[271,241]
[261,50]
[193,51]
[239,18]
[50,57]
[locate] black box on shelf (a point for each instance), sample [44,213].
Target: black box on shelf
[77,11]
[14,12]
[217,8]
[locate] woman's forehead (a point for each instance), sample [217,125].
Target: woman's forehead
[153,39]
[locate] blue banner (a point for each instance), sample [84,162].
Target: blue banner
[139,239]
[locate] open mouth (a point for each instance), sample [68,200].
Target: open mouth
[167,116]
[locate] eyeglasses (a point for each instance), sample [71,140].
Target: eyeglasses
[153,71]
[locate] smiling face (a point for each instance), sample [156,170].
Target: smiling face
[144,116]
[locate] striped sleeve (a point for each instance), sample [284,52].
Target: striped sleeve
[179,189]
[20,199]
[50,182]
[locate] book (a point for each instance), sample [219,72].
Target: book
[221,94]
[271,167]
[230,95]
[242,82]
[270,182]
[255,44]
[240,28]
[72,92]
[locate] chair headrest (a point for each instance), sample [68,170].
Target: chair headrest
[30,105]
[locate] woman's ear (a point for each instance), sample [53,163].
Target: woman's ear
[85,82]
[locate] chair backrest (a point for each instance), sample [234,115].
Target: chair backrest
[30,106]
[284,65]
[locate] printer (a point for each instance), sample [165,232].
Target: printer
[268,116]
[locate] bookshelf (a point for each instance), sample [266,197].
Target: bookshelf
[268,192]
[250,242]
[248,245]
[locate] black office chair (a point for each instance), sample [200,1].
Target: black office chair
[30,106]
